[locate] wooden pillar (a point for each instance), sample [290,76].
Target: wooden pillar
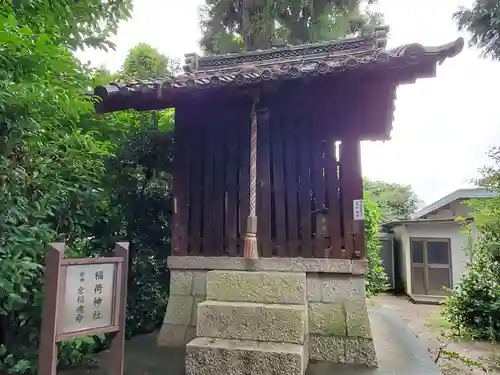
[334,202]
[180,187]
[351,191]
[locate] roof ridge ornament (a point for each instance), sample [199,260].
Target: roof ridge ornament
[371,38]
[377,31]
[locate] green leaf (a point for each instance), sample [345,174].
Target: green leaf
[22,366]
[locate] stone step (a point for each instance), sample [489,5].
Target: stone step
[252,321]
[208,356]
[263,287]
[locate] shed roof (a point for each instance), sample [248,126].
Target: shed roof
[457,194]
[395,223]
[364,53]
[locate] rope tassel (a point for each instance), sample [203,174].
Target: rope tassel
[250,245]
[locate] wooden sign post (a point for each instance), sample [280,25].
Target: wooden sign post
[83,297]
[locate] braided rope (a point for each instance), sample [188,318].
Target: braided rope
[253,159]
[250,245]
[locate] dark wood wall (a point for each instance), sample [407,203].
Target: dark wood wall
[306,183]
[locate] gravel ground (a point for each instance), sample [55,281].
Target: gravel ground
[427,324]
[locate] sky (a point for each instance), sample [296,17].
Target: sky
[442,126]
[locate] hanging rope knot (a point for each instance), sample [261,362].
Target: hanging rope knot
[250,244]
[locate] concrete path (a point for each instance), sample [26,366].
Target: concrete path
[398,350]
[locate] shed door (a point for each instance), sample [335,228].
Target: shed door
[430,266]
[387,254]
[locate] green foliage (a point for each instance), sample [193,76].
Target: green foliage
[474,306]
[138,208]
[376,278]
[230,25]
[482,21]
[395,201]
[50,172]
[74,352]
[443,353]
[67,175]
[87,23]
[136,188]
[145,62]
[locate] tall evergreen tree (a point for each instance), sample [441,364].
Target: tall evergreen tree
[227,25]
[482,21]
[395,201]
[145,62]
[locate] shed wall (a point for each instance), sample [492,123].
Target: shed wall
[452,231]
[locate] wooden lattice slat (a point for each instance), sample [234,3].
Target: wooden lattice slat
[318,178]
[231,188]
[334,206]
[279,189]
[264,185]
[219,138]
[292,183]
[244,177]
[297,176]
[196,191]
[181,186]
[208,192]
[305,154]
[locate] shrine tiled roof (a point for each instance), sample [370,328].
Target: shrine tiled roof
[286,63]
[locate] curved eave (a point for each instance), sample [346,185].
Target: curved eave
[406,63]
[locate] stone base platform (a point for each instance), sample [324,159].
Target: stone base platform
[319,303]
[208,356]
[252,322]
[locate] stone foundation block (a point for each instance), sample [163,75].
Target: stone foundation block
[327,265]
[357,321]
[327,319]
[306,348]
[190,334]
[172,335]
[205,356]
[199,283]
[263,287]
[194,315]
[327,348]
[181,282]
[252,321]
[360,351]
[179,310]
[333,288]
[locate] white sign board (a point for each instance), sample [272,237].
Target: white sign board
[88,298]
[358,208]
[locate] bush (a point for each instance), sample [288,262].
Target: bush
[139,194]
[376,278]
[67,175]
[474,306]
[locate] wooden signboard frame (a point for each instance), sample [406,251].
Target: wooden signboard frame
[53,330]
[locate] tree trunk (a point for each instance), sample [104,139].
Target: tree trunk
[299,33]
[245,23]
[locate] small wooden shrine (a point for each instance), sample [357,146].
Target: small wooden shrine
[311,106]
[267,165]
